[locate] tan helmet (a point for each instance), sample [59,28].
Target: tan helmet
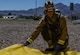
[49,6]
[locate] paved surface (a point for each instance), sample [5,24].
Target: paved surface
[17,32]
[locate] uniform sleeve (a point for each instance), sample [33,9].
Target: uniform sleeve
[63,26]
[38,29]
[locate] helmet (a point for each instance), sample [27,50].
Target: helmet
[48,6]
[57,10]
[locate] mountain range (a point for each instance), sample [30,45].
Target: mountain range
[65,10]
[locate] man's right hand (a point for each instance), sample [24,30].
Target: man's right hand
[26,43]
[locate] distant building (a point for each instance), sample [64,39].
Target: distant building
[10,17]
[74,16]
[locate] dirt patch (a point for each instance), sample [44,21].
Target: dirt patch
[17,32]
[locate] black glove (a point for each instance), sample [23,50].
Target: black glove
[57,48]
[50,49]
[26,43]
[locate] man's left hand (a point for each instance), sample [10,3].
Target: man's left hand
[57,48]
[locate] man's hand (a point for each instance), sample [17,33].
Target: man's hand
[57,48]
[26,43]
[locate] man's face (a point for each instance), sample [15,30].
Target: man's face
[49,10]
[50,13]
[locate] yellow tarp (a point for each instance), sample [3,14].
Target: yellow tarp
[19,49]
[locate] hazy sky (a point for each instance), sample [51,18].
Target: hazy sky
[28,4]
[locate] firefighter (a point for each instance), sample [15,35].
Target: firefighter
[58,12]
[52,28]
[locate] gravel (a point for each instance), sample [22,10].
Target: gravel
[17,32]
